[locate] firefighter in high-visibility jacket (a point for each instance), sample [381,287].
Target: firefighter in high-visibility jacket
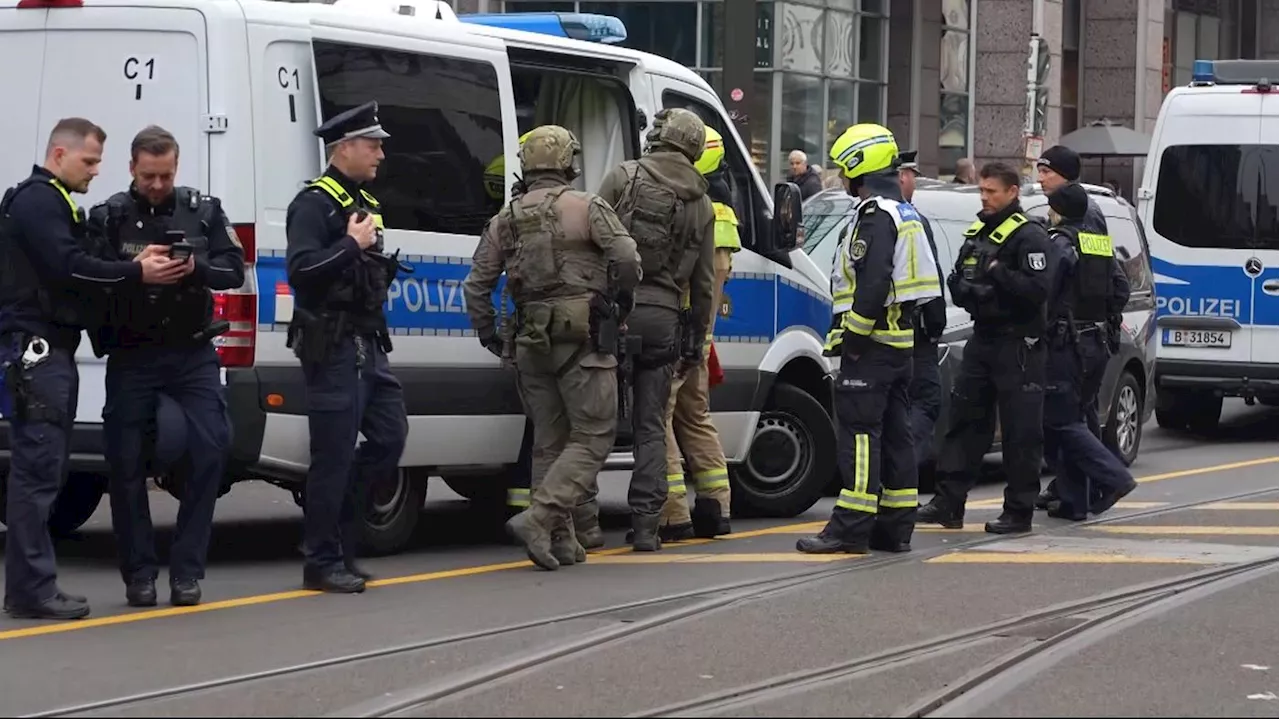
[883,269]
[689,428]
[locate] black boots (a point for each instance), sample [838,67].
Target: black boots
[644,528]
[708,519]
[1009,523]
[826,544]
[937,512]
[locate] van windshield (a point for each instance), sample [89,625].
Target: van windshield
[1218,196]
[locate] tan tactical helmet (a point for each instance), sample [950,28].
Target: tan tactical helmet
[548,148]
[679,129]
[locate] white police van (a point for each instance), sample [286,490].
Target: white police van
[1208,202]
[242,83]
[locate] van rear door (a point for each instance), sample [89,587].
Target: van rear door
[1203,225]
[123,68]
[1266,286]
[21,42]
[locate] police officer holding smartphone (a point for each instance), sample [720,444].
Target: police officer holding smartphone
[45,267]
[162,371]
[339,279]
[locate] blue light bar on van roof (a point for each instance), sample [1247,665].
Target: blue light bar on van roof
[1235,72]
[1202,71]
[573,25]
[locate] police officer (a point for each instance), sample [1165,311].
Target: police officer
[557,246]
[930,321]
[689,427]
[875,286]
[662,201]
[1085,291]
[1001,278]
[45,268]
[1056,168]
[159,343]
[339,279]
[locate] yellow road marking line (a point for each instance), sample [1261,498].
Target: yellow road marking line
[1237,506]
[115,619]
[1055,558]
[672,558]
[1188,530]
[999,501]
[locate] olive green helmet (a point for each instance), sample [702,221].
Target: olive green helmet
[548,148]
[678,129]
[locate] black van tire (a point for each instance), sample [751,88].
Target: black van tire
[1127,392]
[388,527]
[75,504]
[793,429]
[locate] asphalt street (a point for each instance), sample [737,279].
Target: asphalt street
[1165,605]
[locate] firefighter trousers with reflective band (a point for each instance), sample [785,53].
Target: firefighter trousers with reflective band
[690,430]
[1084,465]
[1005,373]
[873,448]
[570,395]
[522,479]
[346,398]
[37,469]
[135,379]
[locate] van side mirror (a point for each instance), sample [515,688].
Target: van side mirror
[786,216]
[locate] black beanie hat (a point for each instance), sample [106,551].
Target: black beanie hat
[1062,160]
[1071,202]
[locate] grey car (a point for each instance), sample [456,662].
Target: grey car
[1124,403]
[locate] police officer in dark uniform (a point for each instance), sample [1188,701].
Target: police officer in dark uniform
[159,344]
[1002,279]
[925,390]
[1088,286]
[45,264]
[1056,168]
[340,278]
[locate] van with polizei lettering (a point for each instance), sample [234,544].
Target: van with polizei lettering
[1208,202]
[242,84]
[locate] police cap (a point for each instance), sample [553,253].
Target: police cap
[907,161]
[357,122]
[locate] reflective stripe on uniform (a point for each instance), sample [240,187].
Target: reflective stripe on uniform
[675,484]
[334,190]
[859,499]
[711,479]
[1098,245]
[899,498]
[76,215]
[518,497]
[726,227]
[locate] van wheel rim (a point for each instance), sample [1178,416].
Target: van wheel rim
[385,499]
[780,452]
[1127,420]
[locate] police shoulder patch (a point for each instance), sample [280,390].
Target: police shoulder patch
[858,249]
[1036,261]
[869,208]
[235,239]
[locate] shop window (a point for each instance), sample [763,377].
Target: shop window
[802,121]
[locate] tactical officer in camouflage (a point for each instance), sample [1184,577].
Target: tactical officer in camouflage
[662,201]
[558,247]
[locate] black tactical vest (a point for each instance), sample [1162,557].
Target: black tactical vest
[19,283]
[1091,283]
[362,288]
[150,315]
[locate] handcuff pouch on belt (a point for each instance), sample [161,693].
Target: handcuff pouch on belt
[23,399]
[312,336]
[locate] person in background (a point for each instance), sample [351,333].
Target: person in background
[807,178]
[965,172]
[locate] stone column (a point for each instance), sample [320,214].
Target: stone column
[1270,30]
[905,45]
[1002,35]
[1116,70]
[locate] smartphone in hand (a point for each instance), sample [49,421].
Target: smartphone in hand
[180,250]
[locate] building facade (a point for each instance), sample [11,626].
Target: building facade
[947,76]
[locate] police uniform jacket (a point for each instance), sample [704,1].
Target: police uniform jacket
[321,255]
[126,223]
[47,264]
[1017,287]
[1065,301]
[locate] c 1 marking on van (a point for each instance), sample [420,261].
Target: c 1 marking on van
[291,83]
[139,71]
[1198,306]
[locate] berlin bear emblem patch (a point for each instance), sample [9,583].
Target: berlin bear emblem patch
[1036,260]
[858,250]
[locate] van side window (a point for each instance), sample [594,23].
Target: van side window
[1217,196]
[741,181]
[445,121]
[597,110]
[1131,249]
